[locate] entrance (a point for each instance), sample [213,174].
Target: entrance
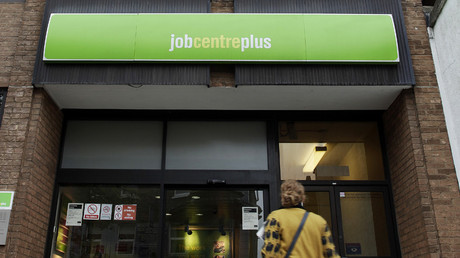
[185,188]
[171,188]
[118,221]
[359,218]
[213,222]
[341,165]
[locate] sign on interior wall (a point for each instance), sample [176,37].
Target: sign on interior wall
[203,242]
[228,38]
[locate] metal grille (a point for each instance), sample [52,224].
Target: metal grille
[317,74]
[120,73]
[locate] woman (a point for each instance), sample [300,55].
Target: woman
[315,238]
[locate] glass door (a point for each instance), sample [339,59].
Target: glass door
[107,221]
[359,218]
[213,222]
[320,200]
[365,222]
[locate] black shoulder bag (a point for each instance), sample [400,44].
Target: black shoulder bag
[297,234]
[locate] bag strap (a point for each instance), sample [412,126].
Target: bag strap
[297,234]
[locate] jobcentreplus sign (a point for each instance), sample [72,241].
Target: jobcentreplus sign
[219,42]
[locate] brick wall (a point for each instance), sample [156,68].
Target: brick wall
[32,176]
[425,186]
[412,201]
[222,6]
[10,22]
[29,132]
[222,75]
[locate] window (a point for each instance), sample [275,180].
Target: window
[217,145]
[189,145]
[330,151]
[113,145]
[107,221]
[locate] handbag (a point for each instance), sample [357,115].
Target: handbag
[296,236]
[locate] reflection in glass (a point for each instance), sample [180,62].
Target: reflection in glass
[113,144]
[217,145]
[364,228]
[134,235]
[212,225]
[330,151]
[319,203]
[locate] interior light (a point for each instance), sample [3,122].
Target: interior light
[196,197]
[157,197]
[199,214]
[168,214]
[314,158]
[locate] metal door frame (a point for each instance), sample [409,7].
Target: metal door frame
[334,191]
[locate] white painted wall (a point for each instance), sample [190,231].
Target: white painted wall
[445,45]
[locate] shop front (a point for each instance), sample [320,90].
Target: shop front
[199,184]
[170,188]
[159,160]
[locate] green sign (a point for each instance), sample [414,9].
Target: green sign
[6,200]
[288,38]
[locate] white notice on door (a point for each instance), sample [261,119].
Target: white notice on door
[106,211]
[92,211]
[118,213]
[250,218]
[74,214]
